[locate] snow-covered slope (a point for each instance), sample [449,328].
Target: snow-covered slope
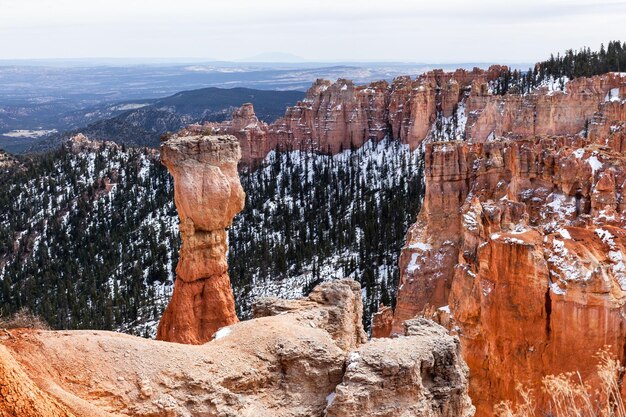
[91,237]
[92,233]
[310,218]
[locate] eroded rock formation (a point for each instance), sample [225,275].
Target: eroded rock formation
[382,322]
[402,376]
[520,243]
[20,396]
[208,194]
[528,167]
[341,115]
[435,105]
[286,362]
[542,112]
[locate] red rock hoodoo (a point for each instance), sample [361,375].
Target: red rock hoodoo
[208,195]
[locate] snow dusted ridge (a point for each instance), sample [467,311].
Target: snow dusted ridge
[555,84]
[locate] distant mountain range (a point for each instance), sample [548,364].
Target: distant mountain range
[40,97]
[274,57]
[142,123]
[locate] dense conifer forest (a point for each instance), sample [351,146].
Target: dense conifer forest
[90,238]
[557,70]
[309,218]
[93,240]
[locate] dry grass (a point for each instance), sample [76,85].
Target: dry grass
[23,319]
[571,397]
[525,407]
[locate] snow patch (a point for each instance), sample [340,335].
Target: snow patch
[412,264]
[605,236]
[421,246]
[565,234]
[594,163]
[579,153]
[222,333]
[612,95]
[554,287]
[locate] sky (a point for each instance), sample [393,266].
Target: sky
[434,31]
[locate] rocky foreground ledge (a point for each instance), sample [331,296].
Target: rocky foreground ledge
[306,357]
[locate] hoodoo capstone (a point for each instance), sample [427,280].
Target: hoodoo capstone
[208,195]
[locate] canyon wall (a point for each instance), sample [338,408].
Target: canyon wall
[341,115]
[207,194]
[296,358]
[520,242]
[434,106]
[518,246]
[542,112]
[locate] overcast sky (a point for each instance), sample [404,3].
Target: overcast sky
[433,31]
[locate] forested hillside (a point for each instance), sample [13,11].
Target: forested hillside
[557,70]
[91,235]
[310,217]
[93,240]
[144,124]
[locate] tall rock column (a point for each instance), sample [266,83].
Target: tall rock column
[208,195]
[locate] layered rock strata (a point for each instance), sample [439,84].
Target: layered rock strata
[298,358]
[542,112]
[520,243]
[436,105]
[382,322]
[341,115]
[207,194]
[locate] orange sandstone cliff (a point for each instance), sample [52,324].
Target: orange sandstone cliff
[341,115]
[208,194]
[520,244]
[431,107]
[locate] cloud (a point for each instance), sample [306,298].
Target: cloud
[448,30]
